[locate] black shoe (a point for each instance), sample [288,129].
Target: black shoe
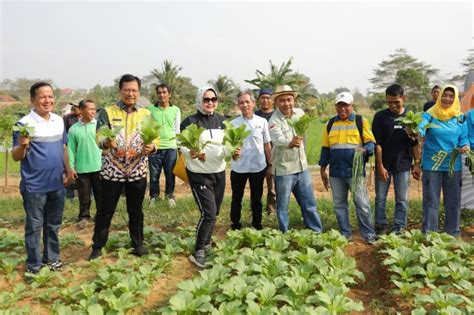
[258,227]
[55,265]
[96,253]
[236,226]
[140,251]
[381,229]
[198,258]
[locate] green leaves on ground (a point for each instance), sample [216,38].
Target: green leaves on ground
[150,130]
[435,270]
[300,125]
[234,137]
[190,138]
[267,272]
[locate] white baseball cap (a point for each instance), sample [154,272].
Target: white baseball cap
[344,97]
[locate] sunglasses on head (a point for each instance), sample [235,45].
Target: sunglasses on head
[209,99]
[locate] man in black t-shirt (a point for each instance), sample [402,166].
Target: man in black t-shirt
[393,156]
[266,111]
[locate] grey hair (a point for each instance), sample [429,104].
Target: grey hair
[248,92]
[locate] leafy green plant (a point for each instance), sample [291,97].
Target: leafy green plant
[24,130]
[150,130]
[301,124]
[454,157]
[234,137]
[411,121]
[189,138]
[358,179]
[106,133]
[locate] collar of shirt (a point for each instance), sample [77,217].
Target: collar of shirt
[351,117]
[38,118]
[93,121]
[127,109]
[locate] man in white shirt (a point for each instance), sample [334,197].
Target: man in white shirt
[251,163]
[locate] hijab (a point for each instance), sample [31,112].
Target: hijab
[442,113]
[200,95]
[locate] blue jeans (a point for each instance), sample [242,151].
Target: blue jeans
[340,187]
[401,183]
[433,181]
[302,187]
[163,159]
[44,212]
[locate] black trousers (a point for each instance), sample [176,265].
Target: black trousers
[134,193]
[238,182]
[85,182]
[208,191]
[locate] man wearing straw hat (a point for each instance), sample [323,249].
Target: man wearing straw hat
[290,168]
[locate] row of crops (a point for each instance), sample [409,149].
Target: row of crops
[250,272]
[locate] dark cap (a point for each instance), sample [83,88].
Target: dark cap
[265,92]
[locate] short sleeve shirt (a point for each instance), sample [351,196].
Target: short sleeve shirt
[42,168]
[252,155]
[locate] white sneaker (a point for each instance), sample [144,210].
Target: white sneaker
[152,203]
[171,203]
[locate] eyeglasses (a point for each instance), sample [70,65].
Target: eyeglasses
[210,99]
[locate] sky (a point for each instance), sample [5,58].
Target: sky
[336,44]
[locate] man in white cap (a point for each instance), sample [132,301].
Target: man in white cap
[344,134]
[290,168]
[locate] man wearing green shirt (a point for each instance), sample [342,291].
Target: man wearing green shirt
[168,117]
[85,160]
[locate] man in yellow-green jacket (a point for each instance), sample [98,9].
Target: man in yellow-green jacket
[124,166]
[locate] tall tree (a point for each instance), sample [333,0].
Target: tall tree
[402,68]
[183,91]
[285,75]
[226,91]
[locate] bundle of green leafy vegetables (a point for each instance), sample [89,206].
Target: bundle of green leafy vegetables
[300,125]
[189,138]
[411,121]
[105,133]
[234,137]
[24,130]
[150,130]
[453,158]
[358,178]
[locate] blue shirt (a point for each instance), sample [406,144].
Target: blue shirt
[42,168]
[440,142]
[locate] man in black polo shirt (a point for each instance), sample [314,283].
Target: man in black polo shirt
[393,155]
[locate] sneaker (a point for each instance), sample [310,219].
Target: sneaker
[381,229]
[140,251]
[171,202]
[82,224]
[198,258]
[235,227]
[258,227]
[96,253]
[55,265]
[371,239]
[398,231]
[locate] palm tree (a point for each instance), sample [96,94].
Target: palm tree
[226,91]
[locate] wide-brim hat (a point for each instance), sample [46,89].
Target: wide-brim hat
[282,90]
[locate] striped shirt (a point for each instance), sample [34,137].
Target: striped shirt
[42,168]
